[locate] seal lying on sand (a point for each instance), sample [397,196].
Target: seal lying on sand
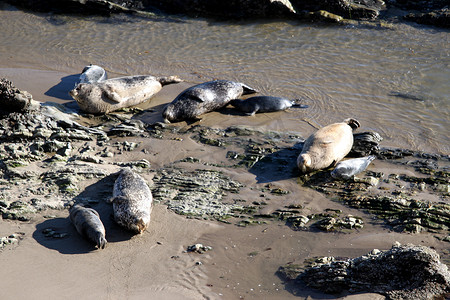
[263,104]
[116,93]
[88,224]
[132,201]
[91,74]
[203,98]
[327,146]
[350,167]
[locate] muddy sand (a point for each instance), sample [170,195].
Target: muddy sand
[49,260]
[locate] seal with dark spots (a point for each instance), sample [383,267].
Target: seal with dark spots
[88,224]
[132,201]
[262,104]
[203,98]
[116,93]
[327,146]
[91,74]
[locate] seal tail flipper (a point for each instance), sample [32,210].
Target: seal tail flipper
[101,242]
[354,124]
[169,80]
[248,90]
[298,103]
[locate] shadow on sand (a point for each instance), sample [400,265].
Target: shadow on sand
[277,166]
[61,90]
[48,233]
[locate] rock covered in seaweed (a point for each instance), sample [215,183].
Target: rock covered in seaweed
[403,272]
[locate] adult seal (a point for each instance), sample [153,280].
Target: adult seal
[203,98]
[262,104]
[116,93]
[327,146]
[132,201]
[91,74]
[88,224]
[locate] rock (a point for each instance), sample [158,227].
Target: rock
[403,272]
[439,18]
[13,99]
[199,248]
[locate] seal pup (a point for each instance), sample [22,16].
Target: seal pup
[203,98]
[346,169]
[327,146]
[264,104]
[88,224]
[132,201]
[116,93]
[91,74]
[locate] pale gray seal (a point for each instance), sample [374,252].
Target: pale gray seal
[91,74]
[116,93]
[132,201]
[261,104]
[327,146]
[346,169]
[88,224]
[203,98]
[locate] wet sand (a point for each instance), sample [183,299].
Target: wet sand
[242,263]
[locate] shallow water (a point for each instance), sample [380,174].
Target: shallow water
[394,81]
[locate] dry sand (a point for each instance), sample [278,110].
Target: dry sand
[241,265]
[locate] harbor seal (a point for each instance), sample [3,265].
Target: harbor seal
[263,104]
[116,93]
[327,146]
[132,201]
[91,74]
[88,224]
[346,169]
[203,98]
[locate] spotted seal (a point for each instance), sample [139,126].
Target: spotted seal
[327,146]
[116,93]
[203,98]
[91,74]
[262,104]
[346,169]
[88,224]
[132,201]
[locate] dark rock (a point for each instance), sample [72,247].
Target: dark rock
[12,99]
[404,272]
[439,18]
[365,144]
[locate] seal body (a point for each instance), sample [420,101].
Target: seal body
[116,93]
[350,167]
[132,201]
[327,146]
[88,224]
[261,104]
[203,98]
[91,74]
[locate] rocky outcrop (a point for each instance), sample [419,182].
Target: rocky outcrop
[433,12]
[403,272]
[13,99]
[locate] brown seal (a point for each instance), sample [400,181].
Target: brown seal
[327,146]
[88,224]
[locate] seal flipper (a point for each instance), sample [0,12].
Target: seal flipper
[248,90]
[297,103]
[112,94]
